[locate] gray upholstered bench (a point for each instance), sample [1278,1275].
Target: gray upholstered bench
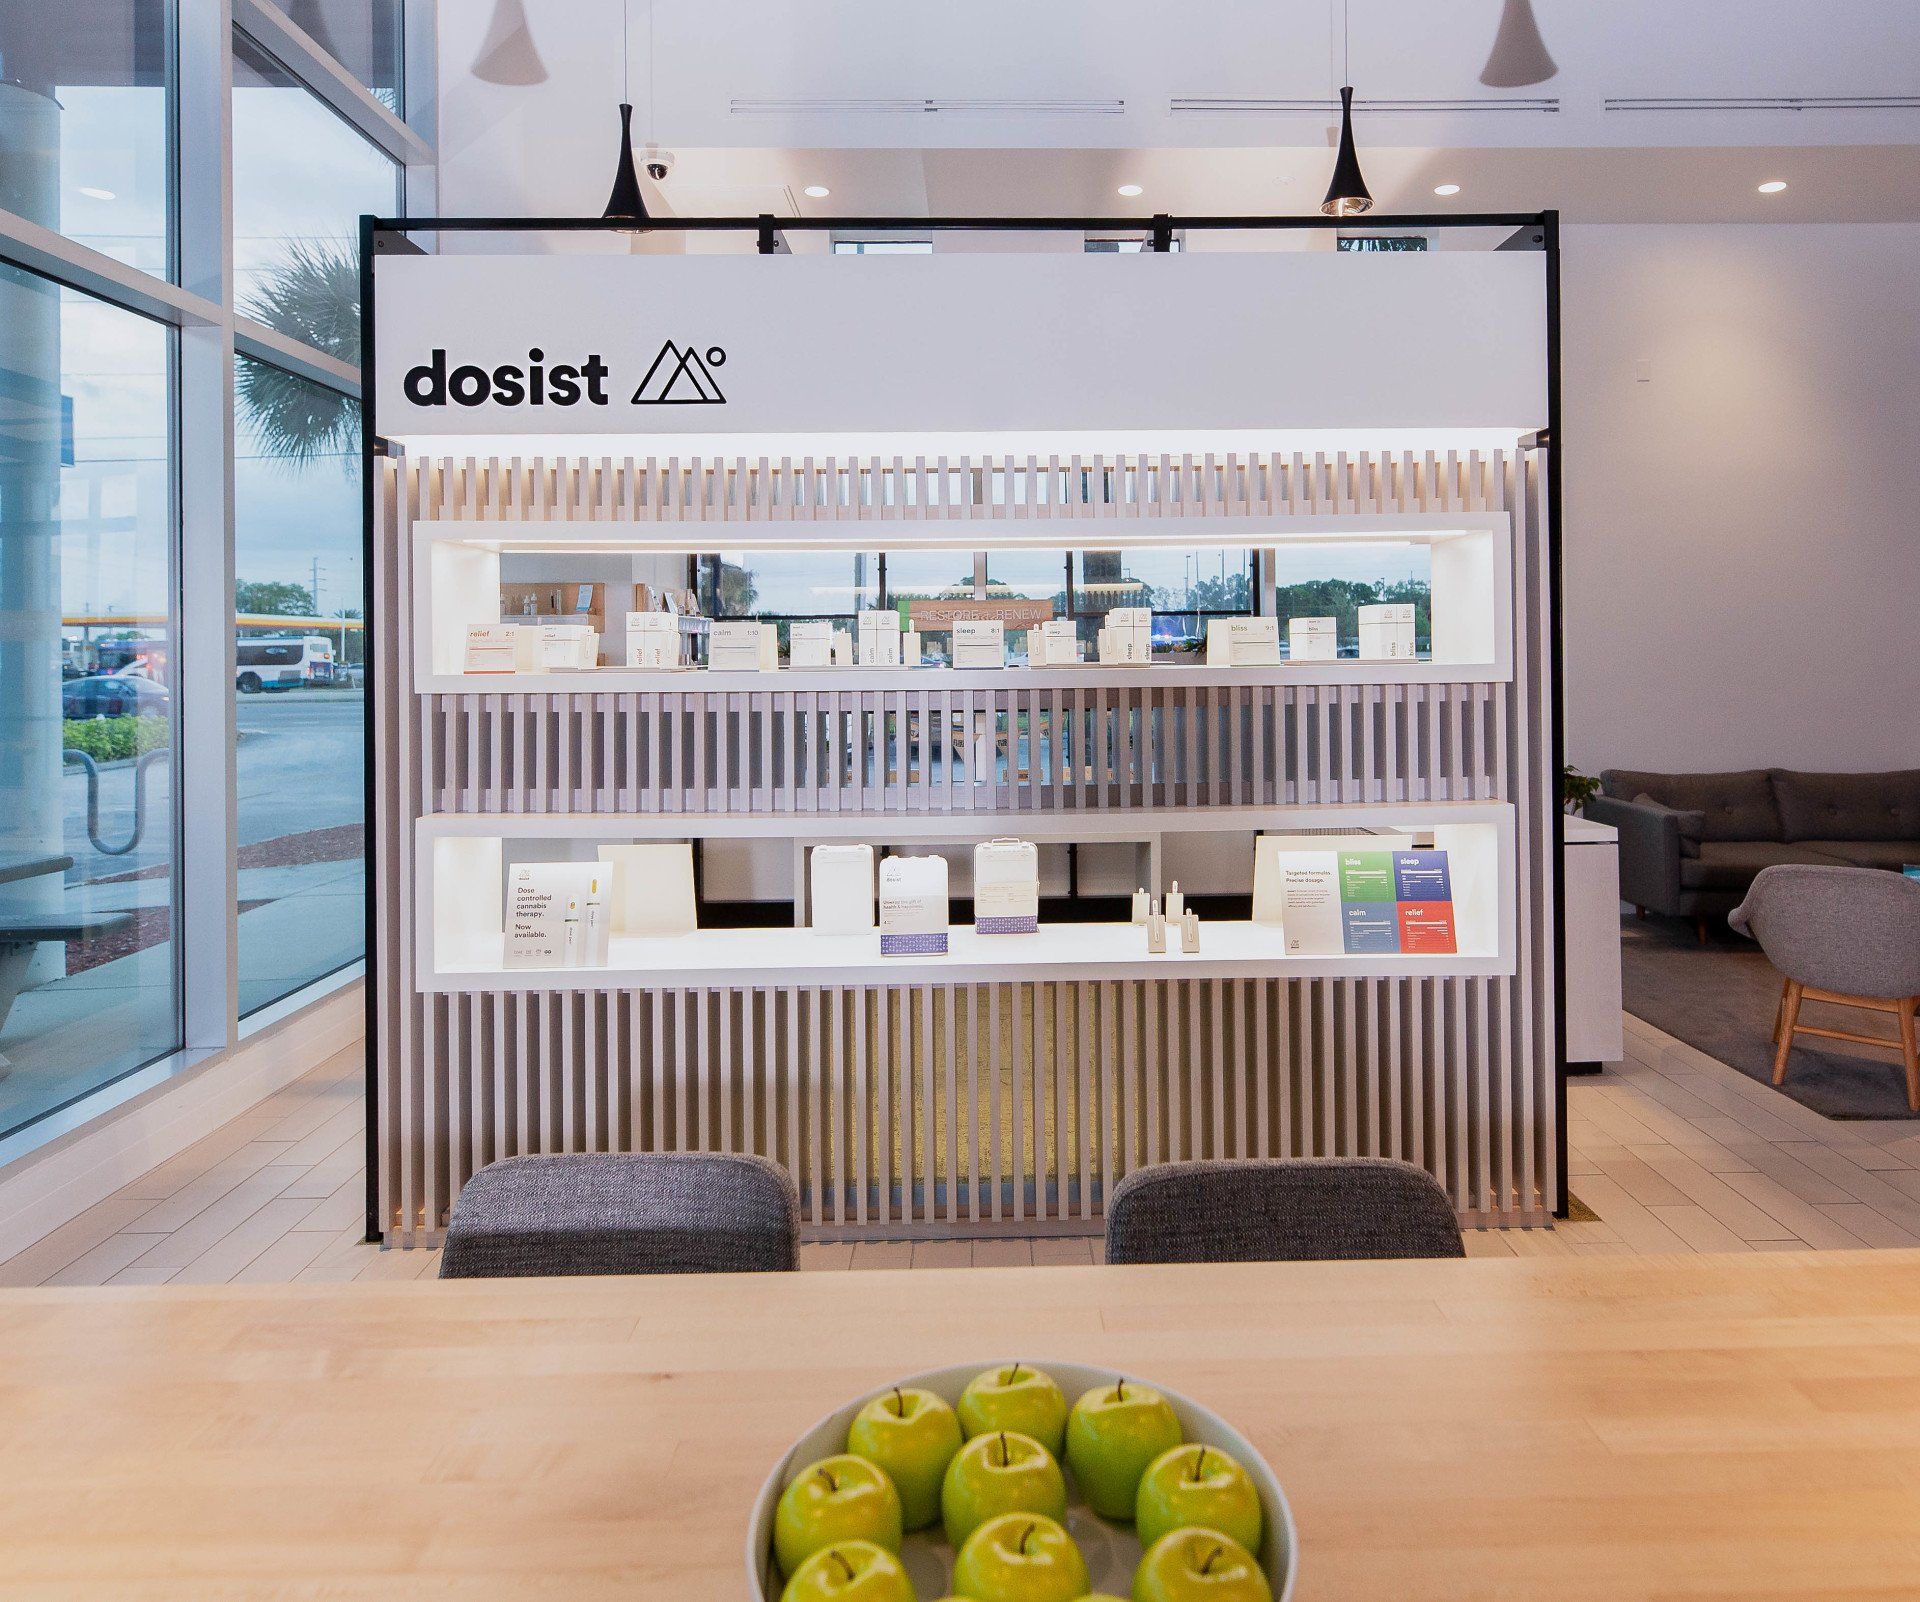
[623,1213]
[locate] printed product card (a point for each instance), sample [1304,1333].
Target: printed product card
[913,907]
[651,887]
[810,645]
[1421,876]
[1426,928]
[1370,928]
[1313,639]
[556,915]
[1366,876]
[979,643]
[1386,633]
[1243,642]
[1299,891]
[653,640]
[492,648]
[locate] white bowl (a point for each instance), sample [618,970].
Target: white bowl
[1110,1549]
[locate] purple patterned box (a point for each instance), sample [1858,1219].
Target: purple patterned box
[1028,924]
[914,945]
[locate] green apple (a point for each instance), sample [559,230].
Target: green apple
[912,1434]
[1197,1485]
[1015,1396]
[1020,1557]
[836,1499]
[850,1571]
[1194,1565]
[995,1474]
[1113,1433]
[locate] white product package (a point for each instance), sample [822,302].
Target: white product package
[879,638]
[1006,887]
[1243,642]
[492,648]
[810,644]
[653,640]
[1127,635]
[1055,643]
[841,880]
[556,915]
[742,647]
[565,648]
[913,907]
[1313,639]
[979,642]
[652,889]
[1386,632]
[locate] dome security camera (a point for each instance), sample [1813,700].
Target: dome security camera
[658,162]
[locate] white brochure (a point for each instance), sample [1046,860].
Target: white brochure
[1243,642]
[1298,892]
[1313,639]
[1006,887]
[652,889]
[556,915]
[493,648]
[913,907]
[841,877]
[653,640]
[979,643]
[1386,633]
[810,644]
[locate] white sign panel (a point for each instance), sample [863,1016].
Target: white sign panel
[978,344]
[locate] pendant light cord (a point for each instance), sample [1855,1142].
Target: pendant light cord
[652,96]
[1346,47]
[626,51]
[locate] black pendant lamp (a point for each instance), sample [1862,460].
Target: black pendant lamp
[1347,195]
[625,202]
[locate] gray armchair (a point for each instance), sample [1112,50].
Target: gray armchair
[1846,936]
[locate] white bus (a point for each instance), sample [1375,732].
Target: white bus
[281,663]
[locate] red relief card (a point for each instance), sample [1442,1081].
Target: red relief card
[1426,929]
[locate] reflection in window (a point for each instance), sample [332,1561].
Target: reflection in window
[1172,579]
[788,583]
[364,36]
[1337,580]
[85,111]
[299,659]
[88,988]
[301,179]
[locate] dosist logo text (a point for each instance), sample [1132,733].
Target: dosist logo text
[679,376]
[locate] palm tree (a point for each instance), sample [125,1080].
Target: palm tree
[314,297]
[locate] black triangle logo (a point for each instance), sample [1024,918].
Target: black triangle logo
[678,378]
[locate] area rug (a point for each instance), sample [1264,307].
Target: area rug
[1720,998]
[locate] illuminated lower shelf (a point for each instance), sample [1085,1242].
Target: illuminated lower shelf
[799,957]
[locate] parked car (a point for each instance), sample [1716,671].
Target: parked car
[113,695]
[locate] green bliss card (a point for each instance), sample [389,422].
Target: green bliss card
[1367,876]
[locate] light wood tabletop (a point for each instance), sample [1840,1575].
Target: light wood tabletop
[1565,1428]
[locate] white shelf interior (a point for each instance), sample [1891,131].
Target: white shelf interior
[462,863]
[457,579]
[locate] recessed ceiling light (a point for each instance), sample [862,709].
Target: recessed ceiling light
[1446,189]
[96,194]
[1130,190]
[818,191]
[1773,186]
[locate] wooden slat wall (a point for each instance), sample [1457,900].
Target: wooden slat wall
[930,1108]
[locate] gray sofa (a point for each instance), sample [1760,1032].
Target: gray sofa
[1691,843]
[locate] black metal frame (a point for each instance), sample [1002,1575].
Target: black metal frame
[390,234]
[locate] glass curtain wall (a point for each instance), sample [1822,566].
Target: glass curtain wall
[114,498]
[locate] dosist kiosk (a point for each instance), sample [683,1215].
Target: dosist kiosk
[1365,820]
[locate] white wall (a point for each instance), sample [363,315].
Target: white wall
[1742,553]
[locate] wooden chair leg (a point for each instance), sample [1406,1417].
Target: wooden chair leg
[1779,1011]
[1700,930]
[1789,1017]
[1640,914]
[1910,1052]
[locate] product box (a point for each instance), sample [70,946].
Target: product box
[1006,887]
[810,645]
[1055,643]
[556,915]
[1243,642]
[1313,639]
[1127,635]
[493,648]
[1426,928]
[653,640]
[979,643]
[841,877]
[913,907]
[880,638]
[1386,632]
[651,892]
[565,648]
[742,647]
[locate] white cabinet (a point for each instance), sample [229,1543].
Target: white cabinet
[1595,1033]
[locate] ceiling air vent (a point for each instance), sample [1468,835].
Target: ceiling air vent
[1763,103]
[891,107]
[1243,106]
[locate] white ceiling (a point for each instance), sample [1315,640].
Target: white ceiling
[1111,72]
